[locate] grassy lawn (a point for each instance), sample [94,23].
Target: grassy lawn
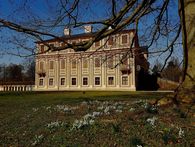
[92,119]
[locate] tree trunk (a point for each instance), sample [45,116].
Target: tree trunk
[187,15]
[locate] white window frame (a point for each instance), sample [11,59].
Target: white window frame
[52,82]
[87,81]
[43,82]
[127,80]
[99,81]
[61,81]
[76,81]
[113,80]
[127,39]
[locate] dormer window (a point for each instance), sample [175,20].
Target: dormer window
[124,39]
[97,44]
[111,40]
[42,48]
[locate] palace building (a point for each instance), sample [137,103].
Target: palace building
[112,63]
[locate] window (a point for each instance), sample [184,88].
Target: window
[42,48]
[62,81]
[97,44]
[74,64]
[110,80]
[125,80]
[111,40]
[124,39]
[74,81]
[50,81]
[85,81]
[85,63]
[51,65]
[97,80]
[40,82]
[41,66]
[110,62]
[62,64]
[97,62]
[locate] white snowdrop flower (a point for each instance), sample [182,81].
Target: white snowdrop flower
[132,109]
[139,145]
[35,109]
[151,121]
[119,111]
[181,133]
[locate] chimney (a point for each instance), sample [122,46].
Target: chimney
[88,29]
[67,31]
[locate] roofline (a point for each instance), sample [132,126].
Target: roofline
[83,35]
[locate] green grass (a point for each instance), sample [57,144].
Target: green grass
[24,120]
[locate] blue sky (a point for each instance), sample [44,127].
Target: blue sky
[13,10]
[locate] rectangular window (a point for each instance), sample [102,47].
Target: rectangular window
[62,82]
[97,44]
[40,82]
[41,66]
[110,62]
[85,81]
[125,80]
[51,82]
[97,80]
[51,65]
[110,80]
[74,81]
[111,40]
[85,63]
[42,48]
[124,39]
[74,64]
[62,64]
[97,62]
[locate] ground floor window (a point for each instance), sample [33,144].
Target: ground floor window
[125,80]
[62,81]
[110,80]
[97,80]
[74,81]
[85,81]
[50,81]
[40,82]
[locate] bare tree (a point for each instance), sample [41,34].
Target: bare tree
[116,15]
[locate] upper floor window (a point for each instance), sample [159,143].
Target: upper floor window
[74,64]
[41,65]
[85,63]
[97,62]
[51,64]
[111,40]
[124,39]
[42,48]
[97,43]
[62,64]
[110,62]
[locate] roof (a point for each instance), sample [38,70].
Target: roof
[83,35]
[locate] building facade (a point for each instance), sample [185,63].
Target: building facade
[109,64]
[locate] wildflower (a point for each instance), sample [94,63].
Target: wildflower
[37,139]
[181,133]
[132,109]
[35,109]
[151,121]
